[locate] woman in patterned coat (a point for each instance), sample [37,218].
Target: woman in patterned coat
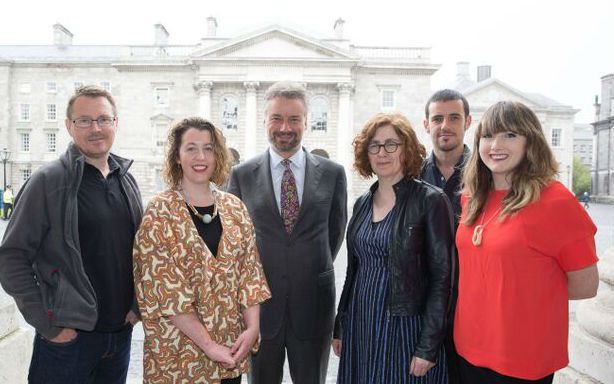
[198,277]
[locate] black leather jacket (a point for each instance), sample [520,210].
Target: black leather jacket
[421,260]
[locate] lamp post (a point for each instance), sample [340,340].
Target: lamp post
[5,156]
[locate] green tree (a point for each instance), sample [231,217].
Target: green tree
[581,177]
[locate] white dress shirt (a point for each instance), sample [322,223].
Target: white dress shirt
[297,166]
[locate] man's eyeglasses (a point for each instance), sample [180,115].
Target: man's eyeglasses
[102,121]
[389,147]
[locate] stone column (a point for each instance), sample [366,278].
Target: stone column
[345,134]
[203,89]
[251,116]
[591,333]
[15,343]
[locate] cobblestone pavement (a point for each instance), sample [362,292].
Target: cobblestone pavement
[602,215]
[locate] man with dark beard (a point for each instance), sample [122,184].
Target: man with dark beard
[447,120]
[297,202]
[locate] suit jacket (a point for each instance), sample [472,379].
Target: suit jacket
[298,266]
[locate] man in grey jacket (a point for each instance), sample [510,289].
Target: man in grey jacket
[66,256]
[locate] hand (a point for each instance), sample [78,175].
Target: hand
[419,367]
[220,354]
[337,347]
[132,317]
[244,343]
[65,336]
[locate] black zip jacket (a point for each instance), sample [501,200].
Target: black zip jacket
[421,260]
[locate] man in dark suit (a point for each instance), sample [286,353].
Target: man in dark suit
[298,203]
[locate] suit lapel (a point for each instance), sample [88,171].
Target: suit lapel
[264,184]
[313,175]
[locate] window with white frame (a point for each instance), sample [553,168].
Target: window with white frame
[106,85]
[25,174]
[51,142]
[51,87]
[77,85]
[24,142]
[318,115]
[25,88]
[161,132]
[388,99]
[24,112]
[556,137]
[230,112]
[161,96]
[51,113]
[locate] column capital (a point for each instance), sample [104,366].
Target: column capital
[203,86]
[251,85]
[345,88]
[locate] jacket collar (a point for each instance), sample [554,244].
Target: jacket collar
[74,156]
[401,186]
[430,161]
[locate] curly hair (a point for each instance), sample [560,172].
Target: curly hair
[537,169]
[172,169]
[413,151]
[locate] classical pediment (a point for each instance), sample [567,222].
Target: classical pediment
[274,43]
[492,90]
[161,117]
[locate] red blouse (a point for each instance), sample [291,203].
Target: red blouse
[512,311]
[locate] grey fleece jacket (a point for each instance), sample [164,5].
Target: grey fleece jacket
[40,257]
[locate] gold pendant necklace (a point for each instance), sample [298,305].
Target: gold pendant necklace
[476,239]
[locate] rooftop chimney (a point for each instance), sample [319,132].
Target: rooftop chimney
[160,35]
[339,28]
[211,26]
[483,72]
[61,35]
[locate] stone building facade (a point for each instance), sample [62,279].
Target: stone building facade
[222,79]
[603,171]
[583,144]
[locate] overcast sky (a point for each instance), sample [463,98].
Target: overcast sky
[557,48]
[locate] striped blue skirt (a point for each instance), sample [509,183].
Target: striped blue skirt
[377,347]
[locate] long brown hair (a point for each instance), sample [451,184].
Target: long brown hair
[537,169]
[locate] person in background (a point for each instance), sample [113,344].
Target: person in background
[447,120]
[585,199]
[7,200]
[298,203]
[197,272]
[391,319]
[66,256]
[525,247]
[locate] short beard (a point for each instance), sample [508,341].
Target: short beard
[290,146]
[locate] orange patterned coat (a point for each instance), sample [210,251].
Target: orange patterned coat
[175,273]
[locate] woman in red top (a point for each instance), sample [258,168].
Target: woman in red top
[525,247]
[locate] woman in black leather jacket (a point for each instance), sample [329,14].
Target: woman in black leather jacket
[392,314]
